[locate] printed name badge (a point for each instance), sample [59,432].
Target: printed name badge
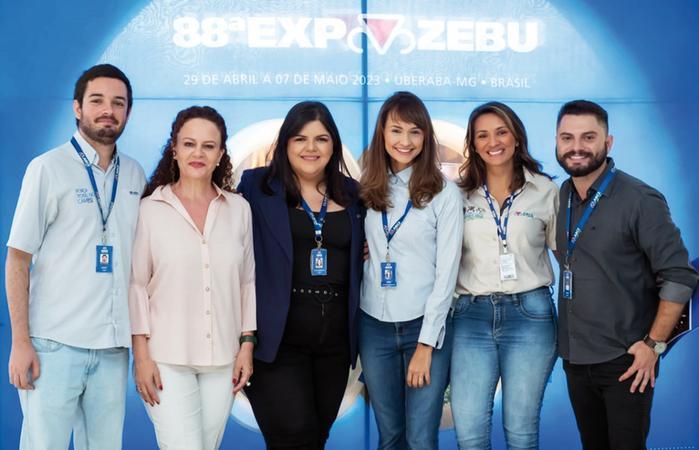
[508,269]
[319,262]
[567,284]
[104,259]
[388,274]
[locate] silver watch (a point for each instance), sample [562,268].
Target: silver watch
[658,346]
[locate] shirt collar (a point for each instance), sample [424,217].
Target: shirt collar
[529,178]
[165,194]
[596,185]
[403,176]
[89,150]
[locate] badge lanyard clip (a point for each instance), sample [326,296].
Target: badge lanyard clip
[319,255]
[388,268]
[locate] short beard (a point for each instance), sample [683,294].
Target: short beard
[105,136]
[581,171]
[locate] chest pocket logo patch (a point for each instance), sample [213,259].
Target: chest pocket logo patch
[473,213]
[84,195]
[524,214]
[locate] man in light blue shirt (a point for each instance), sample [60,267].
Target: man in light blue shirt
[67,273]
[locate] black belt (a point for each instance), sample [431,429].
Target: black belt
[321,294]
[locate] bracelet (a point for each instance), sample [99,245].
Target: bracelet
[249,338]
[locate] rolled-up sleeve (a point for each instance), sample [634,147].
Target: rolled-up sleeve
[661,241]
[141,272]
[450,225]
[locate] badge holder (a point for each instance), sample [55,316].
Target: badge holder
[508,268]
[388,273]
[104,257]
[319,259]
[567,283]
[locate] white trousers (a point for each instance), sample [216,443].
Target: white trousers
[194,406]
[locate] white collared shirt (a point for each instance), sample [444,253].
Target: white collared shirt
[531,231]
[426,250]
[58,222]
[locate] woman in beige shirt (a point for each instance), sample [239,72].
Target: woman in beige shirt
[504,319]
[192,292]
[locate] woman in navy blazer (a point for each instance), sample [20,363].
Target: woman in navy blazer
[308,234]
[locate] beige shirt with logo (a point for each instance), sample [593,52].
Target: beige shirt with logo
[531,232]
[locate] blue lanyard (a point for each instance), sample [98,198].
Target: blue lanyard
[319,221]
[88,168]
[390,232]
[501,226]
[572,240]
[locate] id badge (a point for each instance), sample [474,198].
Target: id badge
[104,259]
[388,274]
[319,262]
[508,269]
[568,285]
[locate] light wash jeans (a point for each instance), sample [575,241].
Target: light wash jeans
[195,404]
[507,338]
[407,418]
[77,389]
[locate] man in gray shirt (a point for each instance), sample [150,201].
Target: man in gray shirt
[625,278]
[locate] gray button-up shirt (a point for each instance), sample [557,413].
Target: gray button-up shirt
[628,257]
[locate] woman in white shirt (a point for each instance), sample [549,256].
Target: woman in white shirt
[413,228]
[192,294]
[504,319]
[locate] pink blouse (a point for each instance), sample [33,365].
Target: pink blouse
[192,294]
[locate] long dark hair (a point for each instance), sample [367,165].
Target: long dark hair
[167,171]
[426,180]
[473,172]
[280,168]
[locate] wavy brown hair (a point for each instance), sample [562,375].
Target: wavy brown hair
[426,181]
[473,173]
[167,171]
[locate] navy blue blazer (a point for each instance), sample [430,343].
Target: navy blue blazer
[274,259]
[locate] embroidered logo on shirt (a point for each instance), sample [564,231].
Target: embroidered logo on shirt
[134,193]
[84,195]
[473,213]
[524,214]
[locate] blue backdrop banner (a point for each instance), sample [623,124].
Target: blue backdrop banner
[252,60]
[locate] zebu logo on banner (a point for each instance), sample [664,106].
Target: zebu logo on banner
[382,32]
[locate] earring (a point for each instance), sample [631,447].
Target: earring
[173,168]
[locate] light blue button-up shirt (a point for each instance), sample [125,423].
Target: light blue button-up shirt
[426,250]
[58,222]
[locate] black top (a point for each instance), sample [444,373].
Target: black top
[337,234]
[629,256]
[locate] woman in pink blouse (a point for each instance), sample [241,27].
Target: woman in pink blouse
[192,293]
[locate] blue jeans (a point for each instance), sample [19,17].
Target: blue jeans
[77,388]
[407,418]
[504,337]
